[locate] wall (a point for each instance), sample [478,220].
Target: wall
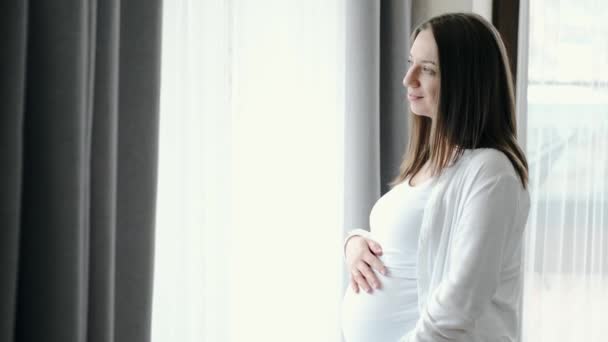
[424,9]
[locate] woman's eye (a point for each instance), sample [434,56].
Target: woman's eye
[428,70]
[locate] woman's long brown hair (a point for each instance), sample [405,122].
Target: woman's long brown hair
[476,106]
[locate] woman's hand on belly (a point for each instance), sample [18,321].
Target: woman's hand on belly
[361,257]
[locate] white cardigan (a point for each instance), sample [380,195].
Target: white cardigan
[469,263]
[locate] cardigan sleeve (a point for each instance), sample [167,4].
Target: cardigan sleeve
[485,225]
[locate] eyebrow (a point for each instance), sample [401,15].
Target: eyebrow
[425,61]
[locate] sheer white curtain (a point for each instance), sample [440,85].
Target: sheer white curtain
[250,202]
[566,287]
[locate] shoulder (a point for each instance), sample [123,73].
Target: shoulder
[488,163]
[489,173]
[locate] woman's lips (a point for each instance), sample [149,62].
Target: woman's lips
[414,97]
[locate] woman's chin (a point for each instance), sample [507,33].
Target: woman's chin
[419,113]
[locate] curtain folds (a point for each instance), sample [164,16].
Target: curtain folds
[394,48]
[80,88]
[376,122]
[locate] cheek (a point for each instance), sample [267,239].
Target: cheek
[433,92]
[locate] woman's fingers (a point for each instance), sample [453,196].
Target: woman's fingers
[359,279]
[354,285]
[368,274]
[362,256]
[375,263]
[374,247]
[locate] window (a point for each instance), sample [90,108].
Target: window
[566,291]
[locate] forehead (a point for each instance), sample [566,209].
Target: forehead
[424,46]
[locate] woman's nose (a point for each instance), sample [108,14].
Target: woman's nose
[410,79]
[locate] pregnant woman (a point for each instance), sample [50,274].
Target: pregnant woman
[442,259]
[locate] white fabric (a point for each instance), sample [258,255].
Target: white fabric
[566,254]
[469,267]
[388,313]
[233,77]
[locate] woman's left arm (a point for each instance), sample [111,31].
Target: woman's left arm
[483,230]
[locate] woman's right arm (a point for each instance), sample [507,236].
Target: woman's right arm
[361,256]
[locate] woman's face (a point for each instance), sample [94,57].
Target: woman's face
[422,78]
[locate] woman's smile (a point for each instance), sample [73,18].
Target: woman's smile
[414,97]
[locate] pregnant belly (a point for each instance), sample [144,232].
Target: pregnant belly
[385,314]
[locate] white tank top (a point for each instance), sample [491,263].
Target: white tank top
[388,313]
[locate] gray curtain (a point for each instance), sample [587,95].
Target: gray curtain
[79,83]
[377,47]
[395,23]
